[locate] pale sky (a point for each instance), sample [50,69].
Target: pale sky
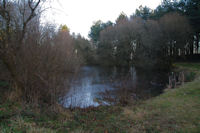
[79,15]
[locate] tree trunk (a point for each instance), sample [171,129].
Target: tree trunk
[197,43]
[9,62]
[192,47]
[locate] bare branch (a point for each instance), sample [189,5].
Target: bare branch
[31,16]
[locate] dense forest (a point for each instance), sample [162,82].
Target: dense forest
[149,38]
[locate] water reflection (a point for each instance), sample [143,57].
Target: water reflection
[90,82]
[93,81]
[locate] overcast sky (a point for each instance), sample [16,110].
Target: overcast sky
[79,15]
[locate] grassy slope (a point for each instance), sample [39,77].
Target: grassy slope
[176,110]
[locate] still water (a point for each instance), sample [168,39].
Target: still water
[92,81]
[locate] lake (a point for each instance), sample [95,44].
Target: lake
[91,82]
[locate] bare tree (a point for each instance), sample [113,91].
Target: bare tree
[15,16]
[39,59]
[45,62]
[177,33]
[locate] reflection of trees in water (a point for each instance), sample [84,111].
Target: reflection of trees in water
[132,85]
[94,85]
[150,83]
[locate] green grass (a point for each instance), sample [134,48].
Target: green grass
[195,66]
[191,70]
[176,110]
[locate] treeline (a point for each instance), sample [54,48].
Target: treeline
[149,38]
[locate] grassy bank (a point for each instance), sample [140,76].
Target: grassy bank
[176,110]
